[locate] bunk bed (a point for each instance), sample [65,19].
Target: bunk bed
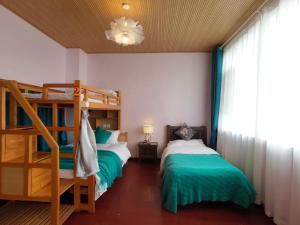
[29,175]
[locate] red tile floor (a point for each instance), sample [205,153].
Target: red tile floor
[134,199]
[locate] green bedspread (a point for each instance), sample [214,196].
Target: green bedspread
[196,178]
[109,163]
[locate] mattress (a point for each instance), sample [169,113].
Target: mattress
[64,96]
[195,173]
[120,149]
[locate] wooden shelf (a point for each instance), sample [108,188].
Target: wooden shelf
[36,157]
[65,184]
[94,105]
[45,192]
[23,213]
[40,156]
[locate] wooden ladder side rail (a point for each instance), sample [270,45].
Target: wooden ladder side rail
[13,112]
[38,124]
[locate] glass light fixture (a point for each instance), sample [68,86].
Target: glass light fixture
[125,6]
[125,32]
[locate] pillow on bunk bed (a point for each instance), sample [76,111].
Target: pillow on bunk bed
[113,139]
[102,136]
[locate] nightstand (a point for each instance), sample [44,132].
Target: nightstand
[148,150]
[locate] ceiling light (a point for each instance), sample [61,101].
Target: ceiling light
[125,32]
[125,6]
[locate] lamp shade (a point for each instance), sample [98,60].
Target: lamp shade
[148,129]
[125,32]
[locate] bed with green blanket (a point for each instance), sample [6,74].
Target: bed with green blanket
[109,163]
[189,178]
[194,173]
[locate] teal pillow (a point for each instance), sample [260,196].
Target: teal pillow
[102,135]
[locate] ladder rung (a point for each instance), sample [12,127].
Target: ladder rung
[39,165]
[61,128]
[66,155]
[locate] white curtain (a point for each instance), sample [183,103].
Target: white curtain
[259,124]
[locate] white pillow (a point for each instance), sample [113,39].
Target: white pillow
[113,139]
[195,141]
[123,143]
[185,143]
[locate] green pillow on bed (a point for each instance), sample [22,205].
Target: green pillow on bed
[102,135]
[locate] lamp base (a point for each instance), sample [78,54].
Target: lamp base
[147,138]
[147,142]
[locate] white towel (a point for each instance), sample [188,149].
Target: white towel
[87,160]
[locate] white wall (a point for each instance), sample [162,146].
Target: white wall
[159,89]
[76,65]
[72,64]
[26,54]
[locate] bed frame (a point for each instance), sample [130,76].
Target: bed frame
[29,175]
[199,133]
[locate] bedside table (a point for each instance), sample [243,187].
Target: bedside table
[148,150]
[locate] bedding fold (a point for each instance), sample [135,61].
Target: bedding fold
[109,163]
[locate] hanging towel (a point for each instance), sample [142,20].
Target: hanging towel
[87,160]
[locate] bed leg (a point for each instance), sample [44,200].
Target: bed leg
[91,194]
[55,212]
[77,197]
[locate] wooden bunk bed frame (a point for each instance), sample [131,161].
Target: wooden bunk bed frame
[37,174]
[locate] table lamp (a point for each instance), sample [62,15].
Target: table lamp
[147,130]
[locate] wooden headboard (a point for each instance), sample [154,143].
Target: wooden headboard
[199,133]
[123,136]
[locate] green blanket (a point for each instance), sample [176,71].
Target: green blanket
[196,178]
[109,163]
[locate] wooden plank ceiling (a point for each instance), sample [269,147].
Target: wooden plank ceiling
[169,25]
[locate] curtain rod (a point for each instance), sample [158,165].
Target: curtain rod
[237,32]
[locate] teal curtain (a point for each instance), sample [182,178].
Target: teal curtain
[23,119]
[216,82]
[7,109]
[46,116]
